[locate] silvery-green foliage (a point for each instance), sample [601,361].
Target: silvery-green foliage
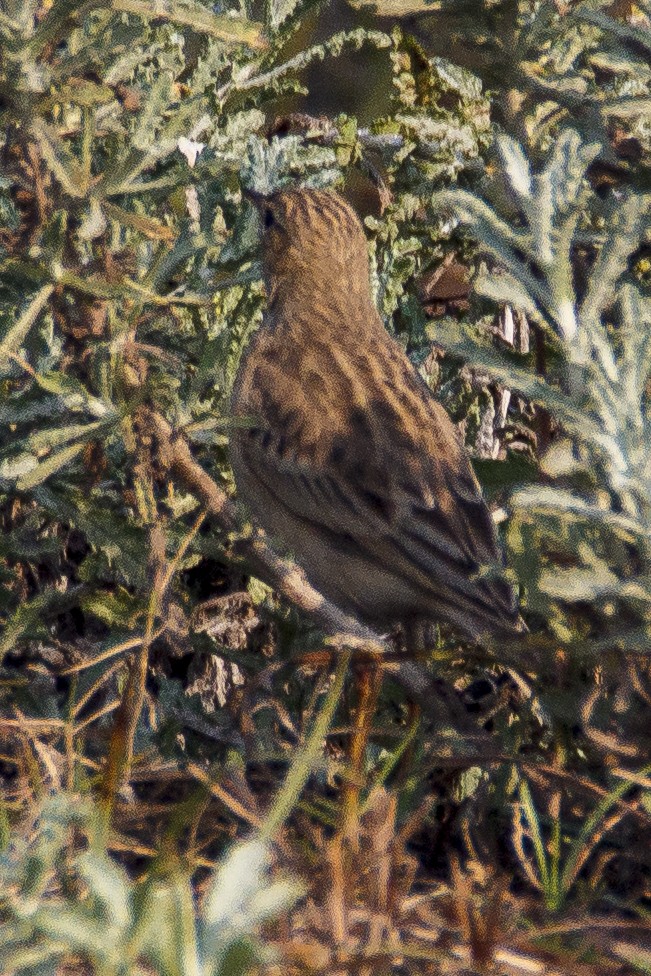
[598,386]
[583,66]
[241,898]
[280,10]
[130,277]
[63,895]
[536,255]
[270,166]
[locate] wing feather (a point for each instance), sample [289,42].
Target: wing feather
[433,551]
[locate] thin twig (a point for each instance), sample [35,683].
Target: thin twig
[128,645]
[94,688]
[120,753]
[224,797]
[369,683]
[106,710]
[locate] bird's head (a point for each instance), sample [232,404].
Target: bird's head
[310,235]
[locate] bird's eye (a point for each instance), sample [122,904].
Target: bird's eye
[269,219]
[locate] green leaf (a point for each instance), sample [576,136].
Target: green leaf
[55,436]
[531,816]
[58,157]
[109,884]
[636,955]
[458,341]
[239,959]
[17,334]
[399,8]
[194,15]
[37,960]
[49,467]
[636,36]
[239,878]
[148,226]
[79,931]
[29,618]
[119,609]
[81,91]
[497,475]
[280,10]
[516,166]
[184,956]
[580,584]
[12,468]
[73,393]
[5,829]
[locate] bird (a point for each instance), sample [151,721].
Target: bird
[341,453]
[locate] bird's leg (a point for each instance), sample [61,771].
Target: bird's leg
[415,633]
[368,682]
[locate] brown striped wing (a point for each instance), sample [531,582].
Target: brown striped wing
[365,459]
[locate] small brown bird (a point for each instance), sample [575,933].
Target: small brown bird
[346,459]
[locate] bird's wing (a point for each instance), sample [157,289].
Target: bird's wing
[412,508]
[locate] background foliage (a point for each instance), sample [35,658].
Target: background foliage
[161,706]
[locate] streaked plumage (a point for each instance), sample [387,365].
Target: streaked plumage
[346,459]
